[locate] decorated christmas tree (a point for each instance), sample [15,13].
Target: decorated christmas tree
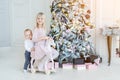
[69,29]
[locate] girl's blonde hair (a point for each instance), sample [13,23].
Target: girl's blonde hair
[42,15]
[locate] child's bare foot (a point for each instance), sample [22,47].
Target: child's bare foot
[33,70]
[53,70]
[47,72]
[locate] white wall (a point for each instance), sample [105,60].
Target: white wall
[5,39]
[107,12]
[23,16]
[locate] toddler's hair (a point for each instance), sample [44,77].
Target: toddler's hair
[28,30]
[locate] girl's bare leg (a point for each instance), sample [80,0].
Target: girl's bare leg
[32,66]
[47,70]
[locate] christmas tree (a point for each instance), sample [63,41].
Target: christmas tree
[69,29]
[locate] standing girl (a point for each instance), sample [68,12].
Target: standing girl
[43,54]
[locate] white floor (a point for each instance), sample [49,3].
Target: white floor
[12,59]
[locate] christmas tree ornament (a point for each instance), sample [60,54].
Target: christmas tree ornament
[59,5]
[63,10]
[88,24]
[66,4]
[87,16]
[88,11]
[82,6]
[62,0]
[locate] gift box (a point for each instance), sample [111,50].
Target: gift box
[92,66]
[80,67]
[87,60]
[77,61]
[56,65]
[50,65]
[97,61]
[67,66]
[88,64]
[93,57]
